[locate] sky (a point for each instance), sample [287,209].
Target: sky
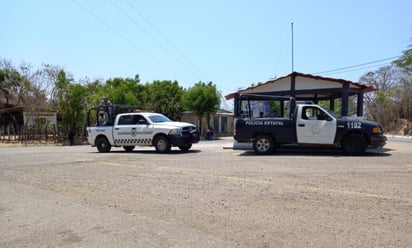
[232,43]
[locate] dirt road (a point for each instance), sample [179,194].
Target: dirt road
[209,197]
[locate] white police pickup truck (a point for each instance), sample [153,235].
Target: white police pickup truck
[132,129]
[262,121]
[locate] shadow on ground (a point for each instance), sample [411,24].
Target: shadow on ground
[320,151]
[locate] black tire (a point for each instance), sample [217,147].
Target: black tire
[354,144]
[263,144]
[185,148]
[128,148]
[162,144]
[103,145]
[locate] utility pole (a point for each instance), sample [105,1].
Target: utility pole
[292,49]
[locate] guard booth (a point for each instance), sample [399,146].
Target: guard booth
[307,87]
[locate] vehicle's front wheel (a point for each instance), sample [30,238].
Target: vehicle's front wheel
[185,147]
[162,144]
[263,144]
[103,145]
[354,144]
[128,148]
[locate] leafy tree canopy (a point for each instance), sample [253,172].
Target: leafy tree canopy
[164,97]
[10,80]
[203,99]
[122,91]
[405,61]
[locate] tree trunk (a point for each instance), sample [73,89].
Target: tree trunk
[200,117]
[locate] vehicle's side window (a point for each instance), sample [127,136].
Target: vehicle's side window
[140,120]
[244,110]
[313,113]
[126,120]
[321,115]
[309,113]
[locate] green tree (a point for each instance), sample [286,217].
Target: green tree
[405,61]
[71,100]
[10,80]
[77,105]
[164,97]
[61,88]
[93,89]
[203,99]
[123,91]
[383,104]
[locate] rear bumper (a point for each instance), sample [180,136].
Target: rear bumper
[378,141]
[242,139]
[185,139]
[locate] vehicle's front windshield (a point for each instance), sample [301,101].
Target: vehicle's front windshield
[158,118]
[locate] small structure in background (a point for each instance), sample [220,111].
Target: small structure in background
[17,124]
[221,122]
[307,87]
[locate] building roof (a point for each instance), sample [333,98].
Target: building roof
[11,109]
[304,83]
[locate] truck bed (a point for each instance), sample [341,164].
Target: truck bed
[281,128]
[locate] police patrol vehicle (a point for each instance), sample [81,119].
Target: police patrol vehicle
[260,119]
[116,126]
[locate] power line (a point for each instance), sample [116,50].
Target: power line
[151,36]
[164,37]
[124,37]
[282,49]
[353,66]
[358,69]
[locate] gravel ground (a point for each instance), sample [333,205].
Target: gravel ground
[62,196]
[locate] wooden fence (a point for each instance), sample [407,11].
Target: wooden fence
[32,134]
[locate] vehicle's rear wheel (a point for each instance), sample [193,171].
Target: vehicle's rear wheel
[162,144]
[128,148]
[354,144]
[103,145]
[263,144]
[185,147]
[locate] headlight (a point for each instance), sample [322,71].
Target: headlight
[377,130]
[176,131]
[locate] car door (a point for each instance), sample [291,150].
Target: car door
[132,130]
[143,131]
[125,131]
[315,126]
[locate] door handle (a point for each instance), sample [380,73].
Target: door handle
[301,125]
[116,128]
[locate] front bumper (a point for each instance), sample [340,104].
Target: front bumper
[378,141]
[184,139]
